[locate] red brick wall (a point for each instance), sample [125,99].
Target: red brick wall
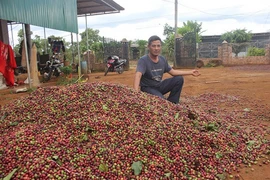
[91,64]
[225,55]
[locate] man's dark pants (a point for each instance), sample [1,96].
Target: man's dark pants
[173,85]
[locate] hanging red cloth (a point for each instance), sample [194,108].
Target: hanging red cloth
[3,57]
[7,63]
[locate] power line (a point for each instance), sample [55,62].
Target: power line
[229,15]
[169,15]
[12,28]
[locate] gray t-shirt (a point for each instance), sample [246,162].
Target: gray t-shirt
[152,73]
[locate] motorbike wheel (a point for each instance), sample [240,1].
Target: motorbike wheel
[42,71]
[106,71]
[17,71]
[56,73]
[121,69]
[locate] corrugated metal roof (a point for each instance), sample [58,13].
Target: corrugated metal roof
[55,14]
[96,7]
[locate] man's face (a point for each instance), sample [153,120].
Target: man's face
[155,48]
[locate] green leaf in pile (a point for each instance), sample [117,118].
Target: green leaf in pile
[137,167]
[9,176]
[167,175]
[104,107]
[103,168]
[221,176]
[211,127]
[4,116]
[176,116]
[250,145]
[14,123]
[218,155]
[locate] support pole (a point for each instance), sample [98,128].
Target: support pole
[45,41]
[87,51]
[86,31]
[79,57]
[28,40]
[11,29]
[27,59]
[72,48]
[175,30]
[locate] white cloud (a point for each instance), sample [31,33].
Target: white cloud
[143,18]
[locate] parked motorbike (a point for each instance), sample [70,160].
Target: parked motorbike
[115,64]
[51,68]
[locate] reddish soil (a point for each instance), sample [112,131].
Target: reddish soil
[252,83]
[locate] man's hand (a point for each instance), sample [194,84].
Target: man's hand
[195,73]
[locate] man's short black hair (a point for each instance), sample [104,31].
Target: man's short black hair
[153,38]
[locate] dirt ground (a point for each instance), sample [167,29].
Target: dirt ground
[250,82]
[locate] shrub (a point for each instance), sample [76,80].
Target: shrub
[66,70]
[253,51]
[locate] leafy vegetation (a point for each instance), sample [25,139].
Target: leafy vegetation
[253,51]
[66,70]
[142,44]
[239,39]
[189,26]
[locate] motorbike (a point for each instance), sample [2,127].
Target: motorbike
[115,64]
[51,68]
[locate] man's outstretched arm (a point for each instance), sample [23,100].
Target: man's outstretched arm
[193,72]
[137,80]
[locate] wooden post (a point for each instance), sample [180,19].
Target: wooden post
[33,66]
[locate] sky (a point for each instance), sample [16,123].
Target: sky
[143,18]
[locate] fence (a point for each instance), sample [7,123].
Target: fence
[111,47]
[207,52]
[226,57]
[210,49]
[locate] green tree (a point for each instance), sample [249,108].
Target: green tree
[38,42]
[168,30]
[16,49]
[141,46]
[97,48]
[93,37]
[168,48]
[238,38]
[20,38]
[189,26]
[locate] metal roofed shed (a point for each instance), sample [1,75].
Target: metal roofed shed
[54,14]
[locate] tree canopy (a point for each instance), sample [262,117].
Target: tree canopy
[239,39]
[93,37]
[189,26]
